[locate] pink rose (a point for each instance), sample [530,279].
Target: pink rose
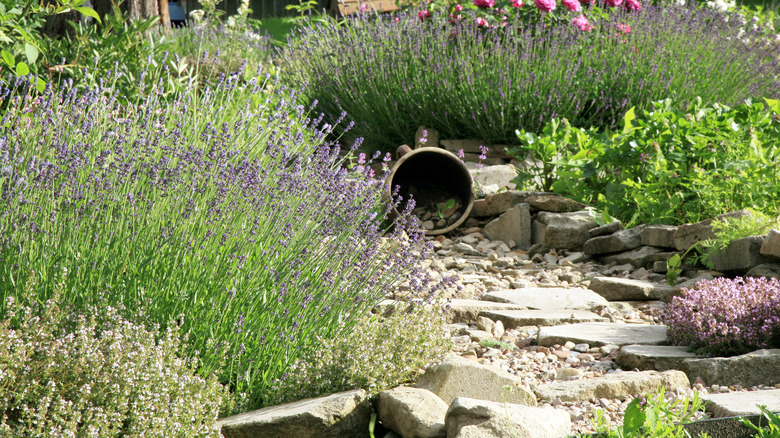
[582,23]
[545,5]
[517,3]
[613,3]
[624,28]
[572,5]
[458,8]
[481,22]
[424,15]
[484,3]
[633,5]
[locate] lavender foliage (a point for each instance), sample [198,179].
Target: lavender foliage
[392,74]
[224,210]
[726,316]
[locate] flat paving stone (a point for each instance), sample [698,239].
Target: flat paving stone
[734,404]
[626,289]
[520,318]
[597,334]
[653,357]
[468,310]
[549,298]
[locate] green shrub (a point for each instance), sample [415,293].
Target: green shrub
[93,373]
[668,164]
[380,353]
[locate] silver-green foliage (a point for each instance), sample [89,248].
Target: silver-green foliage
[97,374]
[381,352]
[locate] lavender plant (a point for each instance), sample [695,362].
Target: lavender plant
[726,316]
[223,211]
[392,74]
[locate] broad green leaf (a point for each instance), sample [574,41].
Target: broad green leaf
[41,85]
[774,104]
[8,58]
[634,418]
[22,69]
[31,52]
[627,119]
[89,12]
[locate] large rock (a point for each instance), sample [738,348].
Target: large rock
[456,376]
[768,270]
[626,289]
[597,334]
[494,205]
[613,385]
[426,137]
[653,357]
[771,244]
[499,176]
[734,404]
[512,227]
[468,146]
[658,235]
[470,418]
[740,255]
[760,367]
[623,240]
[412,412]
[566,230]
[523,318]
[554,203]
[468,310]
[606,229]
[690,234]
[549,298]
[344,414]
[638,258]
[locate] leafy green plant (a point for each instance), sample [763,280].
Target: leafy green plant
[771,430]
[380,353]
[668,164]
[20,25]
[93,373]
[495,343]
[652,416]
[728,230]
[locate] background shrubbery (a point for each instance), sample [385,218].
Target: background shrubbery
[726,316]
[466,81]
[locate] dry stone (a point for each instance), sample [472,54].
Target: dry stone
[470,418]
[658,235]
[614,385]
[512,226]
[422,140]
[620,241]
[768,270]
[566,230]
[522,318]
[740,255]
[456,376]
[549,298]
[606,229]
[494,205]
[468,146]
[761,367]
[554,203]
[468,310]
[638,258]
[500,176]
[771,245]
[344,414]
[597,334]
[734,404]
[412,412]
[653,357]
[626,289]
[690,234]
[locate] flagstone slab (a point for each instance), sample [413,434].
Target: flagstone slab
[742,403]
[549,298]
[652,357]
[520,318]
[610,386]
[468,310]
[597,334]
